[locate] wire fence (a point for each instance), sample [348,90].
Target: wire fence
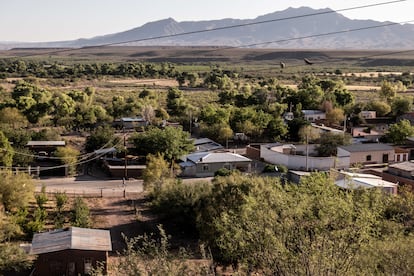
[94,193]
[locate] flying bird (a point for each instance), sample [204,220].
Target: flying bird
[307,61]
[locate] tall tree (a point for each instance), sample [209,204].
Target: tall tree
[399,132]
[172,142]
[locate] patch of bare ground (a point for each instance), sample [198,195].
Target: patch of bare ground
[122,216]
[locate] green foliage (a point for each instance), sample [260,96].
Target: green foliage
[69,157]
[329,142]
[313,228]
[398,132]
[13,259]
[61,200]
[171,142]
[401,105]
[176,104]
[223,172]
[102,136]
[179,202]
[156,173]
[16,190]
[80,214]
[32,101]
[6,151]
[150,255]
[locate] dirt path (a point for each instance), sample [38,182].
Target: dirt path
[130,217]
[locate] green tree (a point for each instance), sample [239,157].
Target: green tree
[81,214]
[381,108]
[335,116]
[7,152]
[16,190]
[156,173]
[69,157]
[12,117]
[102,136]
[63,107]
[61,199]
[176,104]
[399,132]
[32,101]
[12,258]
[172,142]
[329,143]
[401,105]
[388,91]
[310,229]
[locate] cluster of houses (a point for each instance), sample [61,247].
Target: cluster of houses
[364,164]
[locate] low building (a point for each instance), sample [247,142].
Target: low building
[401,173]
[300,157]
[349,180]
[72,251]
[205,164]
[45,148]
[130,123]
[368,114]
[367,154]
[206,144]
[313,115]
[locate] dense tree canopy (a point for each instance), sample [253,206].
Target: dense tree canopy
[398,132]
[171,142]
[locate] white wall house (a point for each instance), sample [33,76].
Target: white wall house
[294,158]
[313,115]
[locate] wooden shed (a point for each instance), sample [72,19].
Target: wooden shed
[70,251]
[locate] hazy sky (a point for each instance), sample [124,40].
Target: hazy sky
[55,20]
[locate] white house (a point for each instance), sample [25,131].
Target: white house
[300,157]
[313,115]
[349,180]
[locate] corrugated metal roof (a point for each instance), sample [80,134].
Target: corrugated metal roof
[71,238]
[367,147]
[46,143]
[405,166]
[216,157]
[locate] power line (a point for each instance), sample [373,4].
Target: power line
[222,28]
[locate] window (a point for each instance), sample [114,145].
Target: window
[369,157]
[205,168]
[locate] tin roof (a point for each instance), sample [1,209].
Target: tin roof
[216,157]
[367,147]
[46,143]
[71,238]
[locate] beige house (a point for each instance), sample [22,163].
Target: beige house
[366,154]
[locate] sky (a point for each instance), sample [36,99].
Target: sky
[58,20]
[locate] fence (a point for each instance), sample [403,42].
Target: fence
[94,193]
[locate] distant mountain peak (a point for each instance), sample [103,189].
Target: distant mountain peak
[299,23]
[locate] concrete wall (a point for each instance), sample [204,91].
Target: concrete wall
[300,162]
[361,157]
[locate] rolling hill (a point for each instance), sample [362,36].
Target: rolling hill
[329,30]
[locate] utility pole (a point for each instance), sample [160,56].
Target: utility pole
[125,158]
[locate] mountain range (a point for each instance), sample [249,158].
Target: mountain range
[328,30]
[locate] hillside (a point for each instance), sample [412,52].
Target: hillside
[291,28]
